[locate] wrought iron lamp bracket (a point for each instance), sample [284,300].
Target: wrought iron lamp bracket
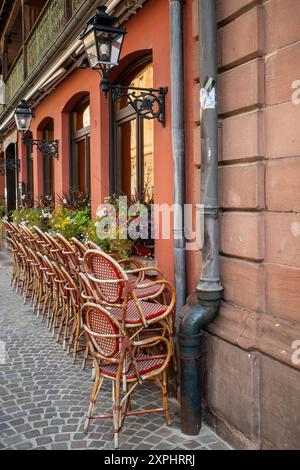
[48,148]
[150,103]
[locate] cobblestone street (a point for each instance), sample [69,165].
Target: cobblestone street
[44,397]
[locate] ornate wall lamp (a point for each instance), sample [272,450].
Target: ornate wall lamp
[103,43]
[23,116]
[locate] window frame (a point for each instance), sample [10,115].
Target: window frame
[75,136]
[48,162]
[120,117]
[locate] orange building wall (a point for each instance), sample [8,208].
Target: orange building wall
[154,20]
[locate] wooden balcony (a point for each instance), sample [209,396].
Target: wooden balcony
[50,23]
[15,77]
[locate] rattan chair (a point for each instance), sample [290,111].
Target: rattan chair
[113,288]
[119,359]
[70,255]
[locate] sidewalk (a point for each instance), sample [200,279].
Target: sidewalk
[44,398]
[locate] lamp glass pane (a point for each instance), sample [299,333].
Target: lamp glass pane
[91,49]
[104,47]
[23,121]
[116,49]
[109,48]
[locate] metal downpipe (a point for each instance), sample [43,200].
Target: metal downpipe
[178,148]
[209,289]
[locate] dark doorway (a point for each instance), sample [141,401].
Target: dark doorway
[11,176]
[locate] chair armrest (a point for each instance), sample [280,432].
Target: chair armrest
[108,281]
[145,269]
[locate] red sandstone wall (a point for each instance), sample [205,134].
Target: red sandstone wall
[252,385]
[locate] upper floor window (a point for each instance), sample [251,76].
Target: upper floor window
[132,163]
[80,152]
[48,162]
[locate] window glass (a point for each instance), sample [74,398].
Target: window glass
[135,155]
[82,116]
[80,159]
[48,162]
[128,157]
[148,157]
[143,79]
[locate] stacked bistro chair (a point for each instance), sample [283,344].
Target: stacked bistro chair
[136,306]
[110,309]
[120,360]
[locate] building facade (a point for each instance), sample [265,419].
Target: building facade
[251,376]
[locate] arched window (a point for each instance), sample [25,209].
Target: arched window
[46,132]
[132,163]
[80,132]
[29,156]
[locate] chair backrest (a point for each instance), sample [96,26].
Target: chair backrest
[71,287]
[88,290]
[112,278]
[92,246]
[50,273]
[34,261]
[41,240]
[102,330]
[59,278]
[79,246]
[30,237]
[43,266]
[55,250]
[68,252]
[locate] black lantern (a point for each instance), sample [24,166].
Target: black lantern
[23,116]
[102,41]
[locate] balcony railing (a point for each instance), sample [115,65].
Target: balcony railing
[15,78]
[47,28]
[76,4]
[49,25]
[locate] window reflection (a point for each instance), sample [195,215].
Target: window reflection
[82,116]
[135,147]
[80,162]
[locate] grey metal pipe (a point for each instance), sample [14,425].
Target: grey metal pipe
[209,288]
[178,147]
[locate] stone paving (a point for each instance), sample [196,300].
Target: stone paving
[44,397]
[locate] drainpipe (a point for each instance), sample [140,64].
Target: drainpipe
[178,148]
[209,289]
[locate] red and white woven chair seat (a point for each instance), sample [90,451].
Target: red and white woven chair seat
[145,292]
[145,364]
[150,311]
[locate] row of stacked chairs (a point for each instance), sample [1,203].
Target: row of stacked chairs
[107,310]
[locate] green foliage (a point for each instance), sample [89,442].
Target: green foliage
[46,202]
[71,223]
[113,245]
[26,201]
[73,200]
[30,217]
[2,207]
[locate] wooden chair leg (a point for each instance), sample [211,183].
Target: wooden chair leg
[165,397]
[94,395]
[116,412]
